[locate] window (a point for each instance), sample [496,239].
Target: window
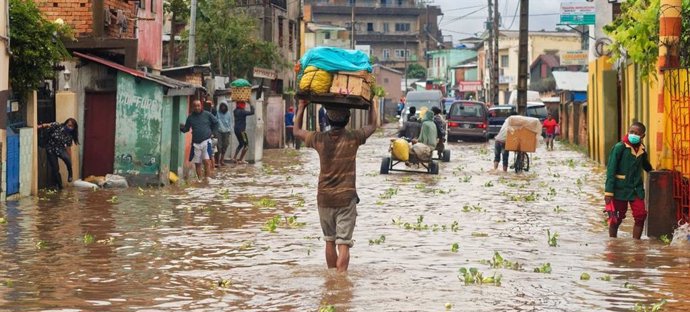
[385,80]
[504,61]
[400,27]
[153,6]
[384,3]
[401,53]
[327,35]
[280,32]
[386,55]
[385,27]
[142,5]
[291,35]
[370,26]
[400,2]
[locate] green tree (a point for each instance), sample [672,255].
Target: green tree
[227,37]
[685,35]
[36,46]
[179,12]
[635,34]
[416,71]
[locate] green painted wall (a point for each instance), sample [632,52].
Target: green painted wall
[138,129]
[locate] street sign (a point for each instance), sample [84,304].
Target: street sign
[578,13]
[579,57]
[469,86]
[264,73]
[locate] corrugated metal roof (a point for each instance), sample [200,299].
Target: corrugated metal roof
[162,80]
[570,80]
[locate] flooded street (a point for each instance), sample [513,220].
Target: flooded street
[217,246]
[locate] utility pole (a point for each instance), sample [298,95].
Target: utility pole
[426,30]
[495,56]
[352,25]
[490,56]
[191,45]
[522,58]
[405,53]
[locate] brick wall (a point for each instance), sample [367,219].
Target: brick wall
[129,9]
[79,15]
[76,13]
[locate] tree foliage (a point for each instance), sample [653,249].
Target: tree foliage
[416,71]
[227,37]
[543,85]
[36,45]
[635,34]
[685,35]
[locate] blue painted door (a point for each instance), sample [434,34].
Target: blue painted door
[12,162]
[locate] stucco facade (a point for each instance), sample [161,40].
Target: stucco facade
[538,43]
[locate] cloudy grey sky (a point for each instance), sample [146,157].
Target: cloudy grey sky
[463,18]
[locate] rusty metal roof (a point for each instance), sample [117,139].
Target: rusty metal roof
[161,80]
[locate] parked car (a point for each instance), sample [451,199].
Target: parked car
[498,114]
[422,101]
[447,102]
[468,120]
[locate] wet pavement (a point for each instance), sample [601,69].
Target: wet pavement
[219,246]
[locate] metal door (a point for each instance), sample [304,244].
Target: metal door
[12,162]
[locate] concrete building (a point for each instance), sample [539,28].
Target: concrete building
[445,64]
[390,79]
[324,35]
[398,31]
[539,42]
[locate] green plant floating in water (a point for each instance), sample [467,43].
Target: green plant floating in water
[327,308]
[223,283]
[479,234]
[472,276]
[3,220]
[656,307]
[552,239]
[266,202]
[88,239]
[584,276]
[498,262]
[377,241]
[112,199]
[663,238]
[605,278]
[455,247]
[544,268]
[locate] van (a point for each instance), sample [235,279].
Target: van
[532,96]
[468,120]
[422,101]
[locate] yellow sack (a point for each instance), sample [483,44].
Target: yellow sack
[401,149]
[315,80]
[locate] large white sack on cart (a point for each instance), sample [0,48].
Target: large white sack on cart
[516,122]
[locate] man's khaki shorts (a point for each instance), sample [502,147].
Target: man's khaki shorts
[339,223]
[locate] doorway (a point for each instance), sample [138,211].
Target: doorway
[99,133]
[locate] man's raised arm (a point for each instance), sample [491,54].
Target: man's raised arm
[298,132]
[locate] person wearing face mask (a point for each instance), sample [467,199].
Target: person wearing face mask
[624,185]
[60,137]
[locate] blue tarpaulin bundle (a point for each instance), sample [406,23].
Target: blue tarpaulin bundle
[335,59]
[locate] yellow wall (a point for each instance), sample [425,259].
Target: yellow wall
[682,88]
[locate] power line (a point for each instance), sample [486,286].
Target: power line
[532,15]
[514,15]
[466,15]
[465,8]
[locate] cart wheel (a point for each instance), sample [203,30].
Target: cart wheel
[433,167]
[385,165]
[445,156]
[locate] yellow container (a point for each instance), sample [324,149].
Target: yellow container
[400,149]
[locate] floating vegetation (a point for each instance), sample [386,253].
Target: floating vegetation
[88,239]
[246,246]
[605,278]
[544,268]
[266,202]
[473,208]
[3,220]
[498,262]
[327,308]
[488,184]
[584,276]
[455,247]
[655,307]
[421,226]
[449,306]
[224,283]
[466,179]
[377,241]
[289,222]
[479,234]
[663,238]
[389,193]
[552,192]
[552,239]
[558,209]
[41,244]
[112,199]
[473,276]
[406,179]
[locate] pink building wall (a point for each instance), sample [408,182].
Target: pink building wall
[150,34]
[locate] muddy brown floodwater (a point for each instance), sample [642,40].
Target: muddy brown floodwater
[209,247]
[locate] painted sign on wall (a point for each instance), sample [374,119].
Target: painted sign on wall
[138,126]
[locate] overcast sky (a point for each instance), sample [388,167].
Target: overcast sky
[463,18]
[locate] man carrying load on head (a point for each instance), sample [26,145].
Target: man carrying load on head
[337,195]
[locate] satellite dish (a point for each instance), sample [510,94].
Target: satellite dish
[601,47]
